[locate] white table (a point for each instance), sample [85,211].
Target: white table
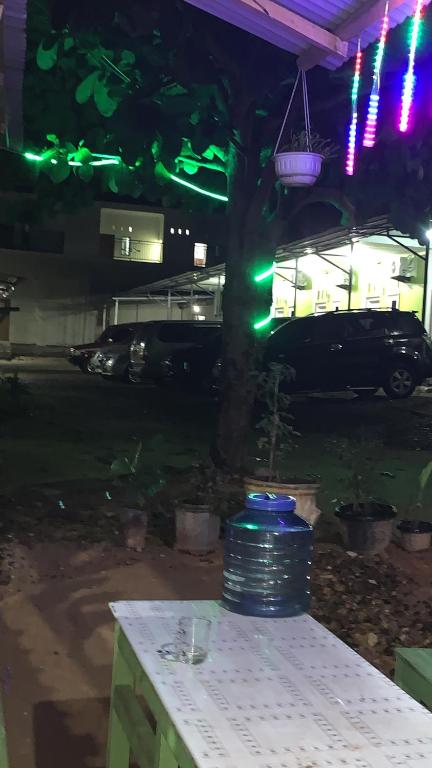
[273,693]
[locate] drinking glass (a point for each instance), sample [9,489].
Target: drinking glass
[192,641]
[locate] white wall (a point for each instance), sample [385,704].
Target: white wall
[53,300]
[144,311]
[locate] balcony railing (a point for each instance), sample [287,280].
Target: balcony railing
[130,249]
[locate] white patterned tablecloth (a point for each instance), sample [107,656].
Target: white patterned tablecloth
[276,693]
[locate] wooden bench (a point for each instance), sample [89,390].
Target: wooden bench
[413,673]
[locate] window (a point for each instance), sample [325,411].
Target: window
[291,334]
[200,254]
[373,325]
[117,334]
[125,247]
[403,322]
[329,328]
[186,333]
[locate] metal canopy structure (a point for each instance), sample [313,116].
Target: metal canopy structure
[338,237]
[323,32]
[189,287]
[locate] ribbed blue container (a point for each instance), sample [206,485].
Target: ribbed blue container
[267,558]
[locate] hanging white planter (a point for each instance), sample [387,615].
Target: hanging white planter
[298,169]
[298,165]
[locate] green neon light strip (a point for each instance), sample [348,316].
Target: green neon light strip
[264,275]
[32,156]
[105,162]
[195,188]
[116,160]
[263,323]
[106,157]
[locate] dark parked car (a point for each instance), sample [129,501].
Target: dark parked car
[359,350]
[109,354]
[157,341]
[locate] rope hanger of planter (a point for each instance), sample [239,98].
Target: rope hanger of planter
[298,165]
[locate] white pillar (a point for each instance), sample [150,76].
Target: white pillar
[116,308]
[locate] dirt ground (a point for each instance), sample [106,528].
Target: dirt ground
[62,558]
[56,637]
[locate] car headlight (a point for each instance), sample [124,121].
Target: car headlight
[108,362]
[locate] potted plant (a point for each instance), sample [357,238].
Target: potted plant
[368,521]
[132,476]
[197,522]
[298,164]
[277,437]
[415,533]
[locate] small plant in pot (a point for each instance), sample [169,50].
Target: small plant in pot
[277,437]
[197,519]
[416,533]
[368,522]
[137,491]
[298,163]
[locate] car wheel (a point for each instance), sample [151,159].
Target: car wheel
[400,382]
[365,394]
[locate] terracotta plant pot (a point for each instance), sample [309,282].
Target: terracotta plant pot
[197,529]
[135,523]
[298,169]
[303,493]
[368,528]
[415,535]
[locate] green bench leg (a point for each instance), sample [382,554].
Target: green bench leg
[4,763]
[146,734]
[118,743]
[164,758]
[413,673]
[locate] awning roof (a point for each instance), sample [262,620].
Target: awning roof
[321,32]
[206,280]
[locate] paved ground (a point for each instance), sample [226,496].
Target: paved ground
[55,626]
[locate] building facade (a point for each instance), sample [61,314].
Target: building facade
[62,276]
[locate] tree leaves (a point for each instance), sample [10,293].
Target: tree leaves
[59,172]
[104,102]
[86,172]
[127,58]
[86,88]
[46,57]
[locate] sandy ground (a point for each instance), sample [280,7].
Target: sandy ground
[56,632]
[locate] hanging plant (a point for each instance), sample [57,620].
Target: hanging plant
[299,163]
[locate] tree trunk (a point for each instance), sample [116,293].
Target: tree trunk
[244,301]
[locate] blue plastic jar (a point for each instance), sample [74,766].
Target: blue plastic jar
[267,558]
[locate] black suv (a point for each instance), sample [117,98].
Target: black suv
[158,341]
[360,350]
